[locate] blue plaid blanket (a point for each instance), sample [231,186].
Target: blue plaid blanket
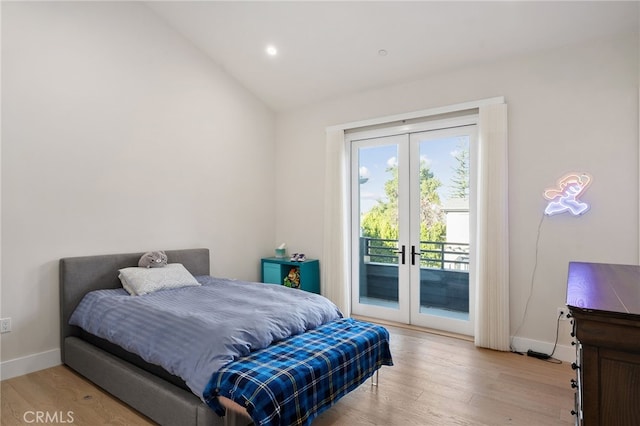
[291,382]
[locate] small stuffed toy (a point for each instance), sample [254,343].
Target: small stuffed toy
[153,259]
[293,278]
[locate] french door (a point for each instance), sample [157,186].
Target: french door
[412,192]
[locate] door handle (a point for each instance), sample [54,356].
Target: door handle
[402,254]
[413,255]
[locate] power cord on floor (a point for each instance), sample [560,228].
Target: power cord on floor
[555,345]
[539,355]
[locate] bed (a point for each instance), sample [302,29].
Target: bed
[153,391]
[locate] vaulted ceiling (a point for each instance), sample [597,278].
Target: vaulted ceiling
[327,49]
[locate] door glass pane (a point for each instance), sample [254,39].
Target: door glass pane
[444,226]
[378,213]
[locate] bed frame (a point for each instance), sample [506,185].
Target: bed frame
[162,401]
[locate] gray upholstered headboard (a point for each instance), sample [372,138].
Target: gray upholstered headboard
[80,275]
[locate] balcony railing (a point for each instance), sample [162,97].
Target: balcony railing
[433,254]
[444,273]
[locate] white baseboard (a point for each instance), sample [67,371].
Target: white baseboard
[29,364]
[562,352]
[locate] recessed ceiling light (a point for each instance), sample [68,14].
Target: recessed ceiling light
[382,52]
[271,50]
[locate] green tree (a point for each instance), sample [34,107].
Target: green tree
[382,220]
[460,179]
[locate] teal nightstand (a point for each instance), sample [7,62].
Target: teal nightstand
[274,270]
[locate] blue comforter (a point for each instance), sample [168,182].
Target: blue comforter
[193,331]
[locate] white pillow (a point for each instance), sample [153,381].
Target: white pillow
[138,281]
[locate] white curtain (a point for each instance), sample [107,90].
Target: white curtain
[492,231]
[335,272]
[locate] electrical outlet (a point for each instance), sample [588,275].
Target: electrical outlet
[5,325]
[562,313]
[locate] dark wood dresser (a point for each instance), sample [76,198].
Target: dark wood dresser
[604,301]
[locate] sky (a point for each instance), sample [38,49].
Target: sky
[438,153]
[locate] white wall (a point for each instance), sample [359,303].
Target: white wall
[119,136]
[569,109]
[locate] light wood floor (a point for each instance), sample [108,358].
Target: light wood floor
[436,380]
